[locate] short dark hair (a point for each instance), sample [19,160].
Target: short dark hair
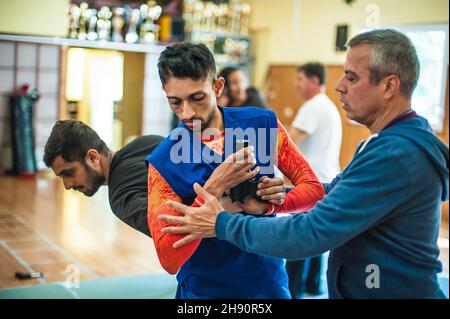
[314,69]
[186,60]
[72,139]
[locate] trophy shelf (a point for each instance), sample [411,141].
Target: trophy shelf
[106,45]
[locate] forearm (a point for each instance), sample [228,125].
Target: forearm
[296,236]
[308,190]
[256,235]
[171,259]
[302,198]
[353,207]
[297,135]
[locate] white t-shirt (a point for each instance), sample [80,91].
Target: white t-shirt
[320,118]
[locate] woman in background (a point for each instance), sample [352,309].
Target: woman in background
[236,93]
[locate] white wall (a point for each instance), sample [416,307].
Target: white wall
[296,31]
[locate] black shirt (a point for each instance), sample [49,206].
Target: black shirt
[128,182]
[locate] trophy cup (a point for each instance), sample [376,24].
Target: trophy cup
[134,17]
[235,18]
[104,23]
[84,7]
[188,16]
[245,18]
[149,30]
[223,18]
[74,13]
[145,26]
[92,23]
[145,34]
[209,17]
[198,15]
[117,25]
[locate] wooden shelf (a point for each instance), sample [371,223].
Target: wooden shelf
[106,45]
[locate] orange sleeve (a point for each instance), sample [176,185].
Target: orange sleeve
[308,189]
[159,191]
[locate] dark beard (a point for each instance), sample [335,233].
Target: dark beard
[209,119]
[203,124]
[95,179]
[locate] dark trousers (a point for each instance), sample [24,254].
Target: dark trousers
[296,273]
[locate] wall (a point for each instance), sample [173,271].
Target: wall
[133,94]
[295,31]
[156,117]
[43,17]
[38,66]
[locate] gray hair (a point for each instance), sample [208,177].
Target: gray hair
[393,53]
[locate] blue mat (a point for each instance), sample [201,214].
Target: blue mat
[443,282]
[159,286]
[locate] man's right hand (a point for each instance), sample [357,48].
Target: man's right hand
[234,170]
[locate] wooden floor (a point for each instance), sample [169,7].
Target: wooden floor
[62,233]
[45,228]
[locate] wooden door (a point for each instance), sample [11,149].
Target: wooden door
[285,101]
[281,94]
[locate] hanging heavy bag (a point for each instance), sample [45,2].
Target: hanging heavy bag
[22,106]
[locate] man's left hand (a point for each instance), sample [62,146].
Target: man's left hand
[197,222]
[272,190]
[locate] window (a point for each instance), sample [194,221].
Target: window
[431,42]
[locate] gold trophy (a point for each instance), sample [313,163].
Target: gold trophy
[223,18]
[235,18]
[245,19]
[84,7]
[188,16]
[149,14]
[74,13]
[197,21]
[92,25]
[104,23]
[132,36]
[117,24]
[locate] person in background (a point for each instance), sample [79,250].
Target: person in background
[317,131]
[236,90]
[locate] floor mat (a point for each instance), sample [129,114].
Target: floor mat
[158,286]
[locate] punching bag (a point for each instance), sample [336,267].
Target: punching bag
[22,106]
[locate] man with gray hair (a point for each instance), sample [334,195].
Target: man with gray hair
[381,215]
